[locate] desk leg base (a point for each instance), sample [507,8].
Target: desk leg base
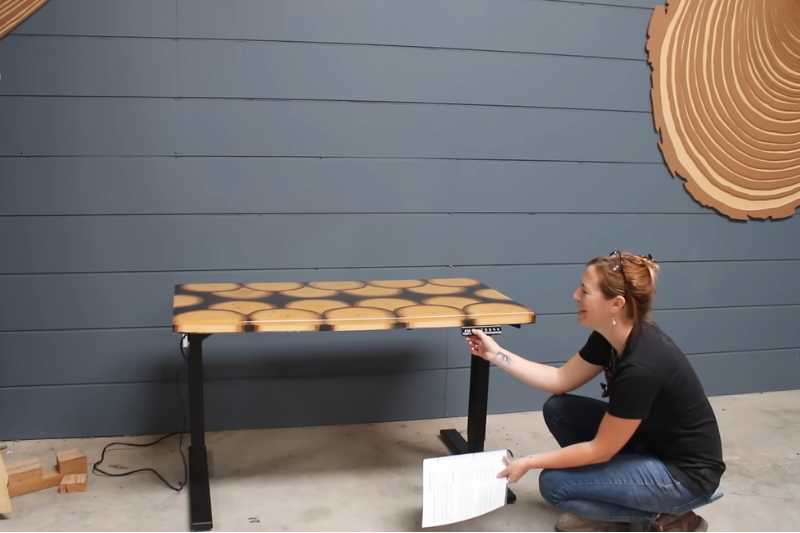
[458,445]
[199,490]
[454,441]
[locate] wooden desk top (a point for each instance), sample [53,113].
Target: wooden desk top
[342,306]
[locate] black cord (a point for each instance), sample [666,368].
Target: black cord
[180,442]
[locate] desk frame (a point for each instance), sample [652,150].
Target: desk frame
[199,489]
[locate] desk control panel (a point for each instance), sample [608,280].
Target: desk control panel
[489,330]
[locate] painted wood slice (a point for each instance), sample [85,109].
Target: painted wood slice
[488,314]
[458,302]
[491,294]
[390,304]
[396,283]
[317,306]
[309,292]
[373,291]
[278,286]
[359,319]
[726,101]
[285,320]
[455,282]
[185,300]
[14,12]
[209,321]
[337,285]
[210,287]
[430,316]
[436,289]
[243,307]
[242,293]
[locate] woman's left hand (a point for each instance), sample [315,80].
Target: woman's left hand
[515,469]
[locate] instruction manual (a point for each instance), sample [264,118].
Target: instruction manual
[460,487]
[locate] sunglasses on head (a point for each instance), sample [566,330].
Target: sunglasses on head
[616,265]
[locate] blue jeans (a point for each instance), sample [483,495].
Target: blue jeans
[632,487]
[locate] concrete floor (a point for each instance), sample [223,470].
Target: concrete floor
[368,477]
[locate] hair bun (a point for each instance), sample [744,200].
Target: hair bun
[632,276]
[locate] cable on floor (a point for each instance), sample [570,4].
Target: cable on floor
[180,442]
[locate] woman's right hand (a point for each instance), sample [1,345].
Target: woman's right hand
[482,345]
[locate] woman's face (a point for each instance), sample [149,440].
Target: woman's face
[594,310]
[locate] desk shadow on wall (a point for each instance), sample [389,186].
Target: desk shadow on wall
[302,381]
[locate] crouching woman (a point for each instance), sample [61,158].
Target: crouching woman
[649,455]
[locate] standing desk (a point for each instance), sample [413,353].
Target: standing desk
[200,310]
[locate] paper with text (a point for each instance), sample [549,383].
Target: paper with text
[460,487]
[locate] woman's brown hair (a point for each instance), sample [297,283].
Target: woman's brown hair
[631,276]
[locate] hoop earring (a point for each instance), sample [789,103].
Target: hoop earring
[613,320]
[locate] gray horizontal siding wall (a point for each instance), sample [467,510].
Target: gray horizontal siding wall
[145,143]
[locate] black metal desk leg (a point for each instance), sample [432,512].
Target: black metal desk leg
[478,404]
[199,491]
[476,415]
[476,411]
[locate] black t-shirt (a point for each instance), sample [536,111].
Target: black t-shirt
[653,381]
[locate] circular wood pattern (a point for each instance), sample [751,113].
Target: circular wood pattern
[342,306]
[491,294]
[185,300]
[397,283]
[318,306]
[436,289]
[427,316]
[210,321]
[243,293]
[389,304]
[285,320]
[337,285]
[455,282]
[458,302]
[309,292]
[243,307]
[274,286]
[13,12]
[509,313]
[210,287]
[374,291]
[726,100]
[359,318]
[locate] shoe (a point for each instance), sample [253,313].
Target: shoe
[687,522]
[571,522]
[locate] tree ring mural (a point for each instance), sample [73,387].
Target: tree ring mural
[726,101]
[13,12]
